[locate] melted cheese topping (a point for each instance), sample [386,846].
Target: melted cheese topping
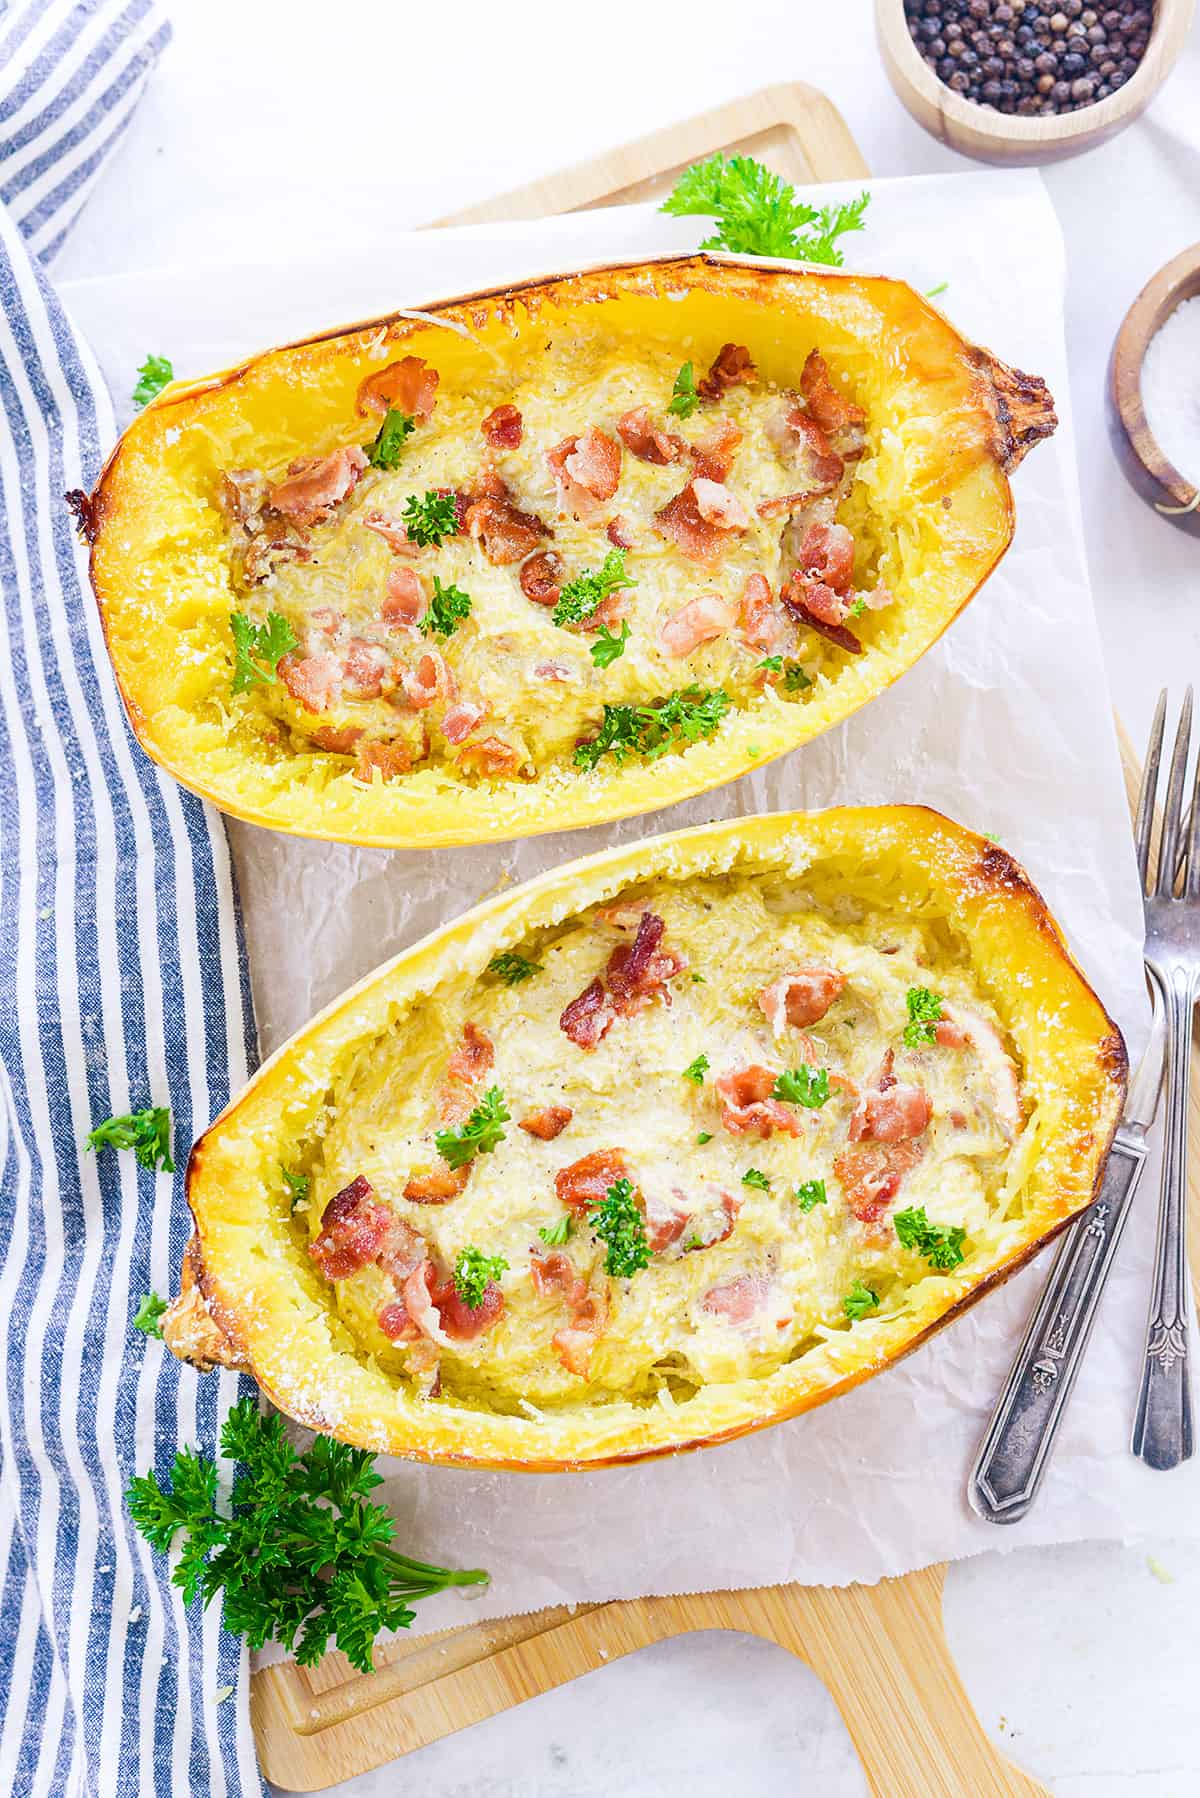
[738,934]
[537,682]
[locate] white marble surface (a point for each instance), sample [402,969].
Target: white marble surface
[270,122]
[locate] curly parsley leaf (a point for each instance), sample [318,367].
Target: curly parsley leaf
[578,599]
[650,731]
[755,1177]
[924,1013]
[473,1274]
[147,1133]
[296,1186]
[859,1300]
[795,680]
[696,1070]
[803,1086]
[554,1235]
[154,374]
[448,608]
[428,517]
[482,1132]
[301,1554]
[684,398]
[149,1315]
[810,1193]
[619,1224]
[759,214]
[608,647]
[396,428]
[941,1244]
[512,969]
[258,648]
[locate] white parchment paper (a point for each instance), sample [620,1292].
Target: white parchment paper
[1005,725]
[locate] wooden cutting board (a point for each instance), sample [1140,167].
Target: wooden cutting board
[881,1650]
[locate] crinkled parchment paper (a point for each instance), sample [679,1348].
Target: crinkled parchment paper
[1004,725]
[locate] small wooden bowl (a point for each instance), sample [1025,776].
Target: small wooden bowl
[1157,480]
[1001,137]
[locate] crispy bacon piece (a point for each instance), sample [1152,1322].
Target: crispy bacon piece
[503,427]
[759,625]
[618,533]
[241,495]
[713,454]
[503,531]
[586,470]
[548,1123]
[785,504]
[430,680]
[737,1300]
[461,720]
[589,1017]
[800,998]
[404,597]
[717,505]
[460,1321]
[392,759]
[699,538]
[890,1111]
[394,533]
[354,1228]
[960,1027]
[803,445]
[365,667]
[311,680]
[474,1057]
[827,554]
[747,1104]
[648,441]
[557,671]
[870,1174]
[576,1344]
[584,1183]
[833,412]
[409,385]
[417,1298]
[638,972]
[813,603]
[697,622]
[491,756]
[732,367]
[541,577]
[555,1273]
[337,742]
[316,484]
[436,1187]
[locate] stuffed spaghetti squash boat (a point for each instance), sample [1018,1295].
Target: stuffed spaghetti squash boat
[553,555]
[665,1146]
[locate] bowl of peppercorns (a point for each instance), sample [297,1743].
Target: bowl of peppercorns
[1026,81]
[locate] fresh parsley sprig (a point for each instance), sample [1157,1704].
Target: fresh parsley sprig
[578,599]
[607,647]
[448,608]
[803,1086]
[149,1315]
[859,1301]
[684,398]
[754,1176]
[301,1554]
[396,428]
[554,1235]
[147,1133]
[512,968]
[696,1070]
[428,517]
[259,648]
[810,1194]
[652,730]
[924,1014]
[759,214]
[617,1221]
[941,1244]
[473,1274]
[297,1186]
[155,373]
[481,1133]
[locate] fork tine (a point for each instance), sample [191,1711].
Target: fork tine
[1149,790]
[1192,846]
[1168,855]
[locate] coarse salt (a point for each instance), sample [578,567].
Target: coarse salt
[1170,384]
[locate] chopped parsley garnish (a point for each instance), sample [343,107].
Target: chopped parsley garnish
[859,1300]
[147,1133]
[154,374]
[554,1235]
[579,598]
[924,1013]
[149,1315]
[619,1223]
[481,1133]
[699,980]
[473,1274]
[652,730]
[385,451]
[773,664]
[810,1193]
[257,644]
[428,517]
[684,398]
[753,1177]
[692,1242]
[803,1086]
[448,608]
[512,968]
[795,680]
[303,1557]
[696,1070]
[704,1136]
[296,1185]
[759,214]
[941,1244]
[607,647]
[931,293]
[858,608]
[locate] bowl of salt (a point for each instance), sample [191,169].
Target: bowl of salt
[1154,392]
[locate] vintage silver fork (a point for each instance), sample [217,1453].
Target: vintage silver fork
[1162,1429]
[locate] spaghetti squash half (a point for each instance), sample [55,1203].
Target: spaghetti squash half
[662,1147]
[552,555]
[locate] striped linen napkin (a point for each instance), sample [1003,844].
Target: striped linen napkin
[122,984]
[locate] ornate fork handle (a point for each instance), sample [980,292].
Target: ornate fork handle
[1016,1449]
[1162,1429]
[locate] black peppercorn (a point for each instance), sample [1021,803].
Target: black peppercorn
[1045,83]
[1073,64]
[1031,57]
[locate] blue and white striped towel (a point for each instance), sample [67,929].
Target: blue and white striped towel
[122,983]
